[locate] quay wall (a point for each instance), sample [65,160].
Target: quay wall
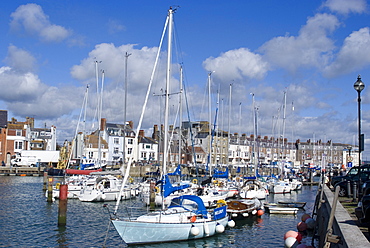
[135,171]
[343,225]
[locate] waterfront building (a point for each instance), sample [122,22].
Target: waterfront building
[147,149]
[17,136]
[120,139]
[91,148]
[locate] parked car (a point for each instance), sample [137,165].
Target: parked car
[360,179]
[363,211]
[366,188]
[354,171]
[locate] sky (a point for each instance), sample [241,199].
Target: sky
[310,51]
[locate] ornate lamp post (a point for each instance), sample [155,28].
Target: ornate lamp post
[359,86]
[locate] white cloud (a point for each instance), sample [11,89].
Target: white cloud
[17,86]
[353,55]
[236,64]
[311,48]
[114,26]
[112,61]
[346,6]
[20,59]
[32,19]
[52,103]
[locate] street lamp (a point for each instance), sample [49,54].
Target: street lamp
[359,86]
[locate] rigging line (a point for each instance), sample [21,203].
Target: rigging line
[127,172]
[84,106]
[174,125]
[191,131]
[97,93]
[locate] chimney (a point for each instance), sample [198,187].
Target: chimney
[141,133]
[155,132]
[103,124]
[131,124]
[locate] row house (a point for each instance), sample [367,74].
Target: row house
[16,136]
[147,149]
[319,152]
[242,149]
[117,145]
[121,141]
[175,135]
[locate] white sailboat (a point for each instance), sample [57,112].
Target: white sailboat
[186,218]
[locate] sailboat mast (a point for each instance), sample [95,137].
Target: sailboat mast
[284,115]
[168,78]
[228,123]
[124,111]
[180,119]
[254,130]
[99,119]
[209,124]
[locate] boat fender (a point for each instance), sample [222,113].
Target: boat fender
[234,215]
[219,228]
[245,214]
[206,228]
[195,181]
[131,180]
[194,230]
[57,186]
[221,203]
[254,212]
[103,196]
[231,223]
[290,242]
[156,189]
[193,218]
[260,212]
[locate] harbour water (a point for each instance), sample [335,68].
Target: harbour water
[28,220]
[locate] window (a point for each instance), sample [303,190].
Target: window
[143,155]
[116,150]
[18,133]
[91,154]
[18,145]
[129,150]
[147,147]
[130,141]
[116,141]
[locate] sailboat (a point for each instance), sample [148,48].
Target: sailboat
[89,165]
[186,218]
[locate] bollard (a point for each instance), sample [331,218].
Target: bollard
[45,183]
[152,195]
[50,189]
[62,210]
[354,191]
[349,188]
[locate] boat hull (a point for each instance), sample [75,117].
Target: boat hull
[137,232]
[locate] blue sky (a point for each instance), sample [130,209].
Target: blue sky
[313,50]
